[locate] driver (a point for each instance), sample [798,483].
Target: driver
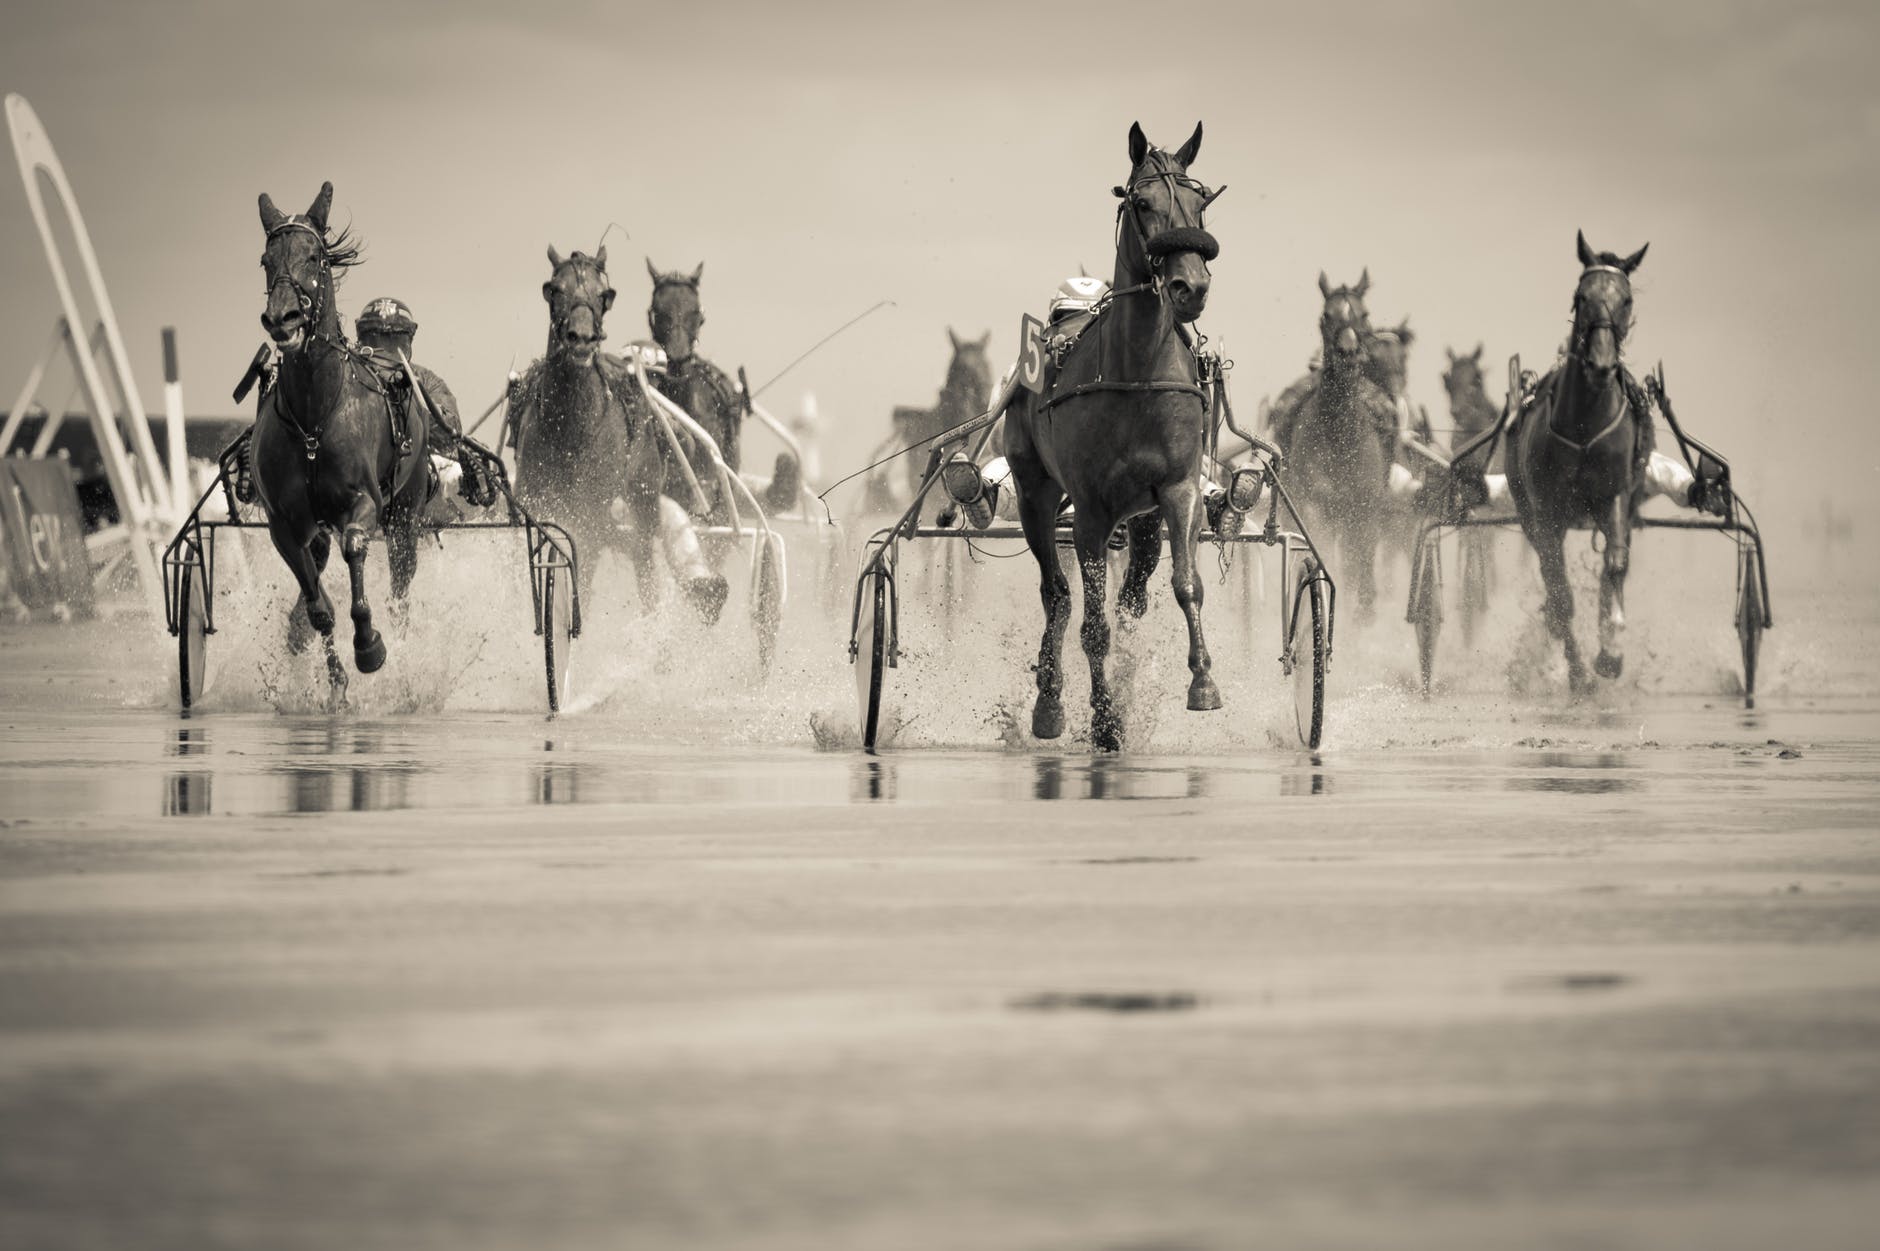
[385,329]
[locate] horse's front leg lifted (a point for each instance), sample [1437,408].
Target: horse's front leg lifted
[368,647]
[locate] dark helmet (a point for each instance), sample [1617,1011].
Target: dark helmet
[386,316]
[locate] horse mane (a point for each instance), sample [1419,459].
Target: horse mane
[343,249]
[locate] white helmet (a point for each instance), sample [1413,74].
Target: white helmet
[1077,294]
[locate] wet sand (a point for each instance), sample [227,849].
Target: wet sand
[1482,973]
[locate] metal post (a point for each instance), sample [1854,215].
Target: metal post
[173,427]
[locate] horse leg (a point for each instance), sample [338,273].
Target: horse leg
[1359,547]
[1611,659]
[300,629]
[401,549]
[1559,606]
[368,646]
[1145,553]
[1181,510]
[1038,500]
[1092,535]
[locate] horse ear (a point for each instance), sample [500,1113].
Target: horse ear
[953,339]
[1325,286]
[1364,282]
[1188,151]
[652,270]
[270,216]
[1451,354]
[322,204]
[1138,143]
[554,257]
[1631,262]
[1586,253]
[600,257]
[698,273]
[1404,333]
[1477,354]
[985,340]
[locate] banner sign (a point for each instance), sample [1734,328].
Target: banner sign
[42,536]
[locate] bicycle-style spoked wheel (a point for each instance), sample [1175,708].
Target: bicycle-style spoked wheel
[767,612]
[1426,606]
[557,633]
[1311,652]
[192,636]
[1751,612]
[871,655]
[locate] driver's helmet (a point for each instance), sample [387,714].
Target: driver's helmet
[386,316]
[1077,295]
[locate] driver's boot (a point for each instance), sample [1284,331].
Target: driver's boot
[968,489]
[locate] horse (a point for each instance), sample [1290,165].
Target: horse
[1121,429]
[691,381]
[1575,457]
[332,451]
[1337,445]
[583,437]
[1471,412]
[965,394]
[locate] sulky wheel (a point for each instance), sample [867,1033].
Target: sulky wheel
[192,635]
[1311,653]
[1751,615]
[767,612]
[1426,606]
[557,632]
[871,654]
[1476,554]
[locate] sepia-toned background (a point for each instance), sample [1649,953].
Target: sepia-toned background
[957,158]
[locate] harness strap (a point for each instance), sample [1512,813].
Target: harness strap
[1089,388]
[1625,407]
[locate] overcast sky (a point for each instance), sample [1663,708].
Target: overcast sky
[957,158]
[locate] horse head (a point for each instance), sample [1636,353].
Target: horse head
[1390,356]
[969,376]
[1345,324]
[299,259]
[1463,378]
[1602,308]
[674,316]
[1166,243]
[578,296]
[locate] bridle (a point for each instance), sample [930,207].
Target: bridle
[312,304]
[557,319]
[1583,332]
[1177,237]
[652,313]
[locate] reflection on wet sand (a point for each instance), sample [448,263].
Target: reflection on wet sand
[1111,777]
[1313,781]
[1584,773]
[557,781]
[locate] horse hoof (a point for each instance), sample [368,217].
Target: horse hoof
[1607,665]
[1203,695]
[369,654]
[1047,717]
[1106,732]
[707,593]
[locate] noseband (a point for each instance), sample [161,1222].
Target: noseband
[597,305]
[1583,332]
[1176,238]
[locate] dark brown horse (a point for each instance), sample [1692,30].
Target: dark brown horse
[965,394]
[1120,428]
[1338,436]
[691,381]
[583,436]
[1576,457]
[1471,412]
[332,451]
